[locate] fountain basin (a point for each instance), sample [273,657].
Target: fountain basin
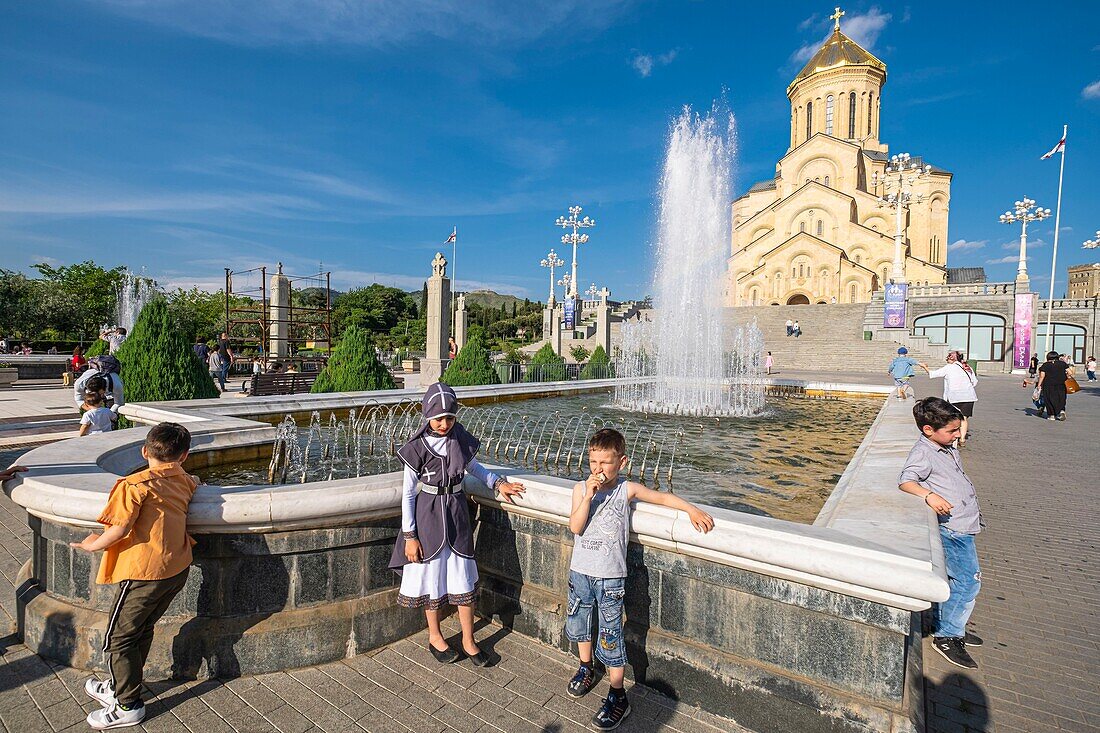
[785,626]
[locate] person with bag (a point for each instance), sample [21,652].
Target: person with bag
[1055,378]
[959,381]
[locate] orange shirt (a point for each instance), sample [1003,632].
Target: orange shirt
[157,546]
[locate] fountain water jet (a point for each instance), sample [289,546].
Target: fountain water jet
[692,365]
[134,292]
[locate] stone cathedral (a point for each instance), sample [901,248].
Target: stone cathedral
[816,233]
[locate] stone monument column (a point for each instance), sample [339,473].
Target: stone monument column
[556,317]
[279,330]
[548,322]
[603,321]
[439,321]
[461,317]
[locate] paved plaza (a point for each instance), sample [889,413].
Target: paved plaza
[1037,612]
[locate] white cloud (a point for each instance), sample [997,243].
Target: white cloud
[964,244]
[643,63]
[863,29]
[1014,259]
[1032,243]
[379,23]
[1092,91]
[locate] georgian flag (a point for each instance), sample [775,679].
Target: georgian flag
[454,235]
[1059,148]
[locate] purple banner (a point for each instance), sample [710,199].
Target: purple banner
[1022,327]
[570,308]
[893,315]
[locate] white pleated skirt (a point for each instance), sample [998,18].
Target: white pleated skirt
[447,580]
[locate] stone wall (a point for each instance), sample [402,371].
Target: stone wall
[775,655]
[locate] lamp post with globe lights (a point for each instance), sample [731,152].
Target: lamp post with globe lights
[1025,211]
[552,261]
[574,238]
[897,193]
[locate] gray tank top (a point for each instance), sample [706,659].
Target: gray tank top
[600,550]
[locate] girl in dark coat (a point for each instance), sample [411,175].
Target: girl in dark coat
[435,551]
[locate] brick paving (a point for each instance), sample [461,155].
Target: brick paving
[1039,669]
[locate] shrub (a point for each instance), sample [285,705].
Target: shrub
[579,353]
[598,366]
[157,360]
[472,365]
[353,367]
[546,366]
[98,348]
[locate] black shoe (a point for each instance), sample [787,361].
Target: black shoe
[583,681]
[615,709]
[481,659]
[972,640]
[448,656]
[1062,415]
[953,651]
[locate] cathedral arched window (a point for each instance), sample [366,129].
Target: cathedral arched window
[826,180]
[885,274]
[809,119]
[829,115]
[852,115]
[800,270]
[820,227]
[801,226]
[853,293]
[870,106]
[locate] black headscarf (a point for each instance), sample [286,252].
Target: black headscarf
[440,400]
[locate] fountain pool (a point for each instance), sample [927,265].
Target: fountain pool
[742,464]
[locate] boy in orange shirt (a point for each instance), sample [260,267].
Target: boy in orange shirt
[148,553]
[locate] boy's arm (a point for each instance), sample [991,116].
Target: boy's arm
[84,428]
[582,504]
[931,498]
[96,542]
[699,519]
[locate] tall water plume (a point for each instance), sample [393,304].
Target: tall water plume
[692,364]
[134,292]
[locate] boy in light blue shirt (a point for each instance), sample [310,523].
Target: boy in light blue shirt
[901,369]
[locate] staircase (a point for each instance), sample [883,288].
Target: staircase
[832,338]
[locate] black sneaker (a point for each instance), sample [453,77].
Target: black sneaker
[972,640]
[1062,415]
[583,681]
[953,651]
[614,711]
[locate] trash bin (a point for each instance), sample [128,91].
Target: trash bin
[973,365]
[868,335]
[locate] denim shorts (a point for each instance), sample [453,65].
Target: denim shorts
[586,593]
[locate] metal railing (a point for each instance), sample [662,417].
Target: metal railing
[520,373]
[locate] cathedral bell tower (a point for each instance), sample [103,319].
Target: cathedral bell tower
[838,93]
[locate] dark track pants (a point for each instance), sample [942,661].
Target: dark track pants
[137,606]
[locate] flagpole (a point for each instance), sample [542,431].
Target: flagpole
[1054,256]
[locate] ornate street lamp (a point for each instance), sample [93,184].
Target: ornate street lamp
[1092,243]
[552,261]
[897,194]
[1025,211]
[574,238]
[592,292]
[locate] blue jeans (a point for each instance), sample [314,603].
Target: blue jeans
[586,593]
[965,580]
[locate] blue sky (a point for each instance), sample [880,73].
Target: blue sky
[185,136]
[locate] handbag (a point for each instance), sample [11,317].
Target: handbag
[1072,385]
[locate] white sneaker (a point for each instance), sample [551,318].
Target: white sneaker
[113,716]
[101,691]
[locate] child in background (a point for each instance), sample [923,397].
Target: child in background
[1090,368]
[933,471]
[148,553]
[901,369]
[600,522]
[96,418]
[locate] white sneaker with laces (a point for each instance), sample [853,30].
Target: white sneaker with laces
[101,691]
[113,716]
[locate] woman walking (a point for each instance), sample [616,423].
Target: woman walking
[959,381]
[1052,386]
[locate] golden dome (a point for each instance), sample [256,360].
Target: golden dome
[839,50]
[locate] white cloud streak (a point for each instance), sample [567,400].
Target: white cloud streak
[1092,91]
[1013,259]
[863,29]
[644,63]
[964,244]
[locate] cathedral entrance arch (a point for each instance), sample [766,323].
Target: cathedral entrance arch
[798,299]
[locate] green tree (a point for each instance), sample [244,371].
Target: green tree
[157,361]
[20,313]
[472,365]
[376,308]
[353,366]
[82,297]
[579,353]
[598,366]
[545,366]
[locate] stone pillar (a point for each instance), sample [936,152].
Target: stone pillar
[461,317]
[603,321]
[279,329]
[439,321]
[548,322]
[555,329]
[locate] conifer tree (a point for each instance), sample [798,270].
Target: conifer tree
[353,366]
[157,360]
[546,366]
[98,348]
[472,365]
[598,366]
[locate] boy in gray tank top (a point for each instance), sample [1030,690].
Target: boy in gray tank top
[600,522]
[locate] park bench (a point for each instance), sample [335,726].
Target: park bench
[275,384]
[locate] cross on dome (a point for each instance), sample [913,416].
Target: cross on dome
[836,16]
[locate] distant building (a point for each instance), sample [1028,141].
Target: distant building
[965,275]
[1084,281]
[815,233]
